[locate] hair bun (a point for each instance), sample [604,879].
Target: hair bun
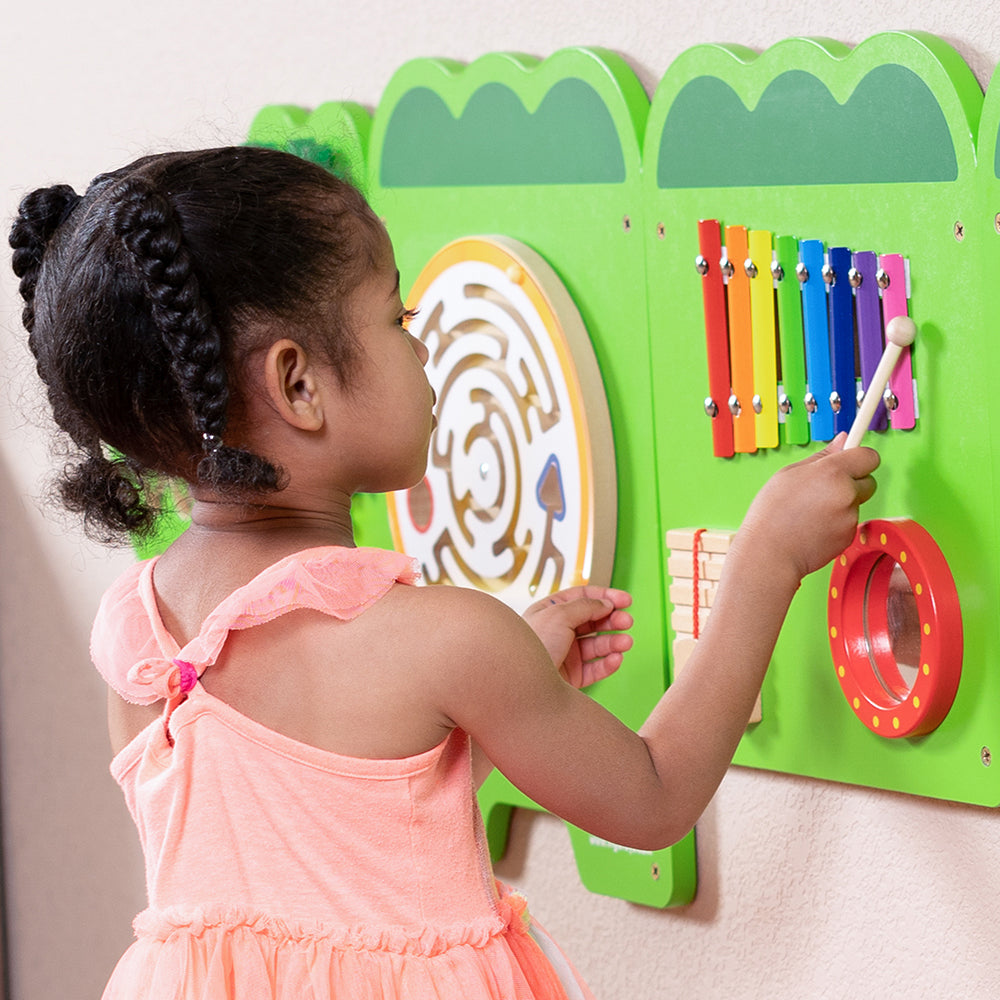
[39,215]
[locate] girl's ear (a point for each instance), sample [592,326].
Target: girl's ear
[293,385]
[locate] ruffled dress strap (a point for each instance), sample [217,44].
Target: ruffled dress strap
[142,661]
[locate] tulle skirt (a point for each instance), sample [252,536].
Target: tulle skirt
[234,955]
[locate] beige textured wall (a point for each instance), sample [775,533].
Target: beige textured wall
[808,890]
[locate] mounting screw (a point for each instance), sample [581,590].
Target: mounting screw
[986,756]
[701,265]
[855,277]
[959,231]
[810,401]
[829,274]
[711,407]
[661,230]
[802,272]
[734,405]
[882,279]
[750,268]
[655,872]
[727,267]
[784,403]
[777,271]
[626,223]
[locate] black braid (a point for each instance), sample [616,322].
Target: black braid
[147,225]
[40,214]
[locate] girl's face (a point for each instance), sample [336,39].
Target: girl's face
[389,392]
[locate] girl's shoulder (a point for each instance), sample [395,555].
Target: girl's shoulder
[455,629]
[451,607]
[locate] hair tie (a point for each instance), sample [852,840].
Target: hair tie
[210,443]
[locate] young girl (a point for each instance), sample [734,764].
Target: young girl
[296,727]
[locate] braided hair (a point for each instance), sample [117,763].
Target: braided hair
[143,297]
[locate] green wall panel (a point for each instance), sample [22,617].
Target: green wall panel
[930,214]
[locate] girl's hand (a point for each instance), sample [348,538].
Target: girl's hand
[807,513]
[583,630]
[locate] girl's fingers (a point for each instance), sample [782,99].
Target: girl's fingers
[617,621]
[594,647]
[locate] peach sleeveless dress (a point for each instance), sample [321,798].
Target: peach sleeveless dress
[278,870]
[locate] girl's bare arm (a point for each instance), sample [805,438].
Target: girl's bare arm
[572,756]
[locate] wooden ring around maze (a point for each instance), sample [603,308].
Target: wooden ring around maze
[867,602]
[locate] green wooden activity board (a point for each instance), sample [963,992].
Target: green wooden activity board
[872,149]
[601,212]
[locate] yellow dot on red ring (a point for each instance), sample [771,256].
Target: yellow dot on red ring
[841,671]
[843,560]
[875,721]
[895,723]
[916,701]
[833,592]
[882,539]
[833,632]
[927,628]
[927,670]
[863,538]
[856,703]
[902,557]
[918,589]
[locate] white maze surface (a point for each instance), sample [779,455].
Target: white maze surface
[507,504]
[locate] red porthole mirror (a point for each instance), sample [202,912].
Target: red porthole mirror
[895,628]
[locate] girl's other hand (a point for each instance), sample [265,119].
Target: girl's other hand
[583,629]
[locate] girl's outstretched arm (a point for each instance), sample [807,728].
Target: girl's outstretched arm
[576,759]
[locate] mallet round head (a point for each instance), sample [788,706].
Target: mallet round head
[901,331]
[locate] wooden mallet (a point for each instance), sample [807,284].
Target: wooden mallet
[899,333]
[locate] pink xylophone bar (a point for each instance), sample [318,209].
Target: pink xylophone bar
[903,415]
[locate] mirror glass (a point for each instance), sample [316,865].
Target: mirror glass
[892,628]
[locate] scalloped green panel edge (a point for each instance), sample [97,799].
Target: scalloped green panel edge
[820,139]
[940,223]
[569,139]
[878,113]
[507,119]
